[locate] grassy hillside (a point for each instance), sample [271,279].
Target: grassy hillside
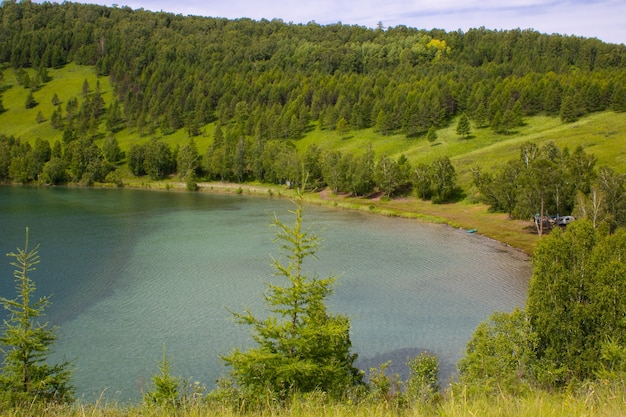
[601,134]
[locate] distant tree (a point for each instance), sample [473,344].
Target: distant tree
[136,158]
[422,181]
[111,150]
[618,98]
[497,124]
[404,175]
[40,117]
[383,123]
[463,127]
[54,171]
[188,159]
[193,122]
[86,88]
[56,119]
[26,376]
[30,101]
[613,187]
[481,116]
[218,158]
[431,135]
[591,207]
[330,169]
[23,167]
[285,164]
[41,153]
[114,119]
[313,166]
[387,175]
[57,149]
[5,158]
[342,126]
[301,347]
[508,122]
[571,108]
[443,177]
[363,177]
[240,159]
[158,162]
[85,162]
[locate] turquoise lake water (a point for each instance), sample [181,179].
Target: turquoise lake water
[132,270]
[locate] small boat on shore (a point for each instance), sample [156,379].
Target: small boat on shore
[472,230]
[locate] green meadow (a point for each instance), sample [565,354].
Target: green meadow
[601,134]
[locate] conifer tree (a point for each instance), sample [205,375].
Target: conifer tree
[432,134]
[301,347]
[166,386]
[463,127]
[25,375]
[30,101]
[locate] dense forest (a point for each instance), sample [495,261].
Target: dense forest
[262,84]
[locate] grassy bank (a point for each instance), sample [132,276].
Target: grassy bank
[597,400]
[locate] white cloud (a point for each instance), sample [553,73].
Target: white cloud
[603,19]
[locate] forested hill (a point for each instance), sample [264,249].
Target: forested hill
[271,78]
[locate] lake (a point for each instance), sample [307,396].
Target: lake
[130,271]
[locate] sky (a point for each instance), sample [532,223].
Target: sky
[602,19]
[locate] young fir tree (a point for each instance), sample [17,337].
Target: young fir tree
[166,386]
[25,375]
[301,347]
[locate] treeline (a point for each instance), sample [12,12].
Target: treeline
[548,181]
[83,161]
[271,79]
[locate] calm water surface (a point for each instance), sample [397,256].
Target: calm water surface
[132,270]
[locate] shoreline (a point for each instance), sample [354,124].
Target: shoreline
[513,234]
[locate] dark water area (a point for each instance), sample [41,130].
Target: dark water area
[132,270]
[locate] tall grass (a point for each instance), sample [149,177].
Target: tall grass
[593,400]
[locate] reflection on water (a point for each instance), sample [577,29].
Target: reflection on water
[131,270]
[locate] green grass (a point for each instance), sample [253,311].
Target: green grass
[595,400]
[66,83]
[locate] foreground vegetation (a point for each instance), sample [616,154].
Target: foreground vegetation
[595,400]
[563,354]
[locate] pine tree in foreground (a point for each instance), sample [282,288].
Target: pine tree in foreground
[301,347]
[25,376]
